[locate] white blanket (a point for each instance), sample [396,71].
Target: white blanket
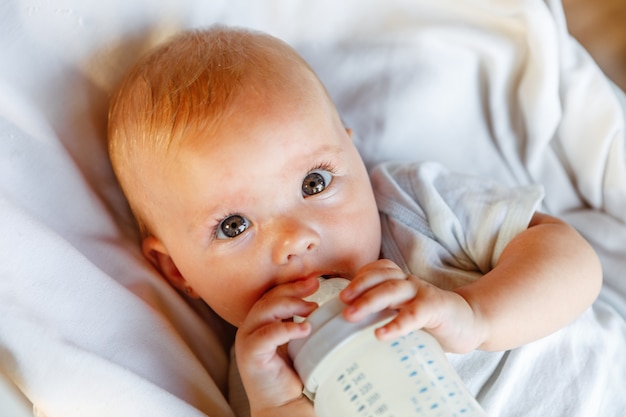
[496,88]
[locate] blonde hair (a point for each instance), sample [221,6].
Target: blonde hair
[183,88]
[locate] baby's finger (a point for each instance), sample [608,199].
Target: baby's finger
[299,289]
[266,339]
[389,294]
[424,311]
[258,351]
[370,276]
[407,320]
[276,309]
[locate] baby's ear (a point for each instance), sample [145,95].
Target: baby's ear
[158,256]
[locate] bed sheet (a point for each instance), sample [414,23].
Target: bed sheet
[494,88]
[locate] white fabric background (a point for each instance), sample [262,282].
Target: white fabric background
[496,88]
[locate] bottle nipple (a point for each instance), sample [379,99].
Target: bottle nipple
[328,289]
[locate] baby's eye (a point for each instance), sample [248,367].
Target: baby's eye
[232,226]
[316,181]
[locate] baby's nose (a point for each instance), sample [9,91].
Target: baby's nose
[295,239]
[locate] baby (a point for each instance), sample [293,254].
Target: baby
[247,187]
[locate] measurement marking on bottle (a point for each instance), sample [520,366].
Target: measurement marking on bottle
[430,391]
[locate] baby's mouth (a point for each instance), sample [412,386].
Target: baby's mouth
[328,276]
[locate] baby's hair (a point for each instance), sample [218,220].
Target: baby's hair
[182,91]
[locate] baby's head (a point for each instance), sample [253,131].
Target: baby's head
[179,94]
[238,169]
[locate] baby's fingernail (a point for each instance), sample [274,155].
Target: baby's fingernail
[350,310]
[382,333]
[307,285]
[312,305]
[305,327]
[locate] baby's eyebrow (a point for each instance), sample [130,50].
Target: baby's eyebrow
[326,149]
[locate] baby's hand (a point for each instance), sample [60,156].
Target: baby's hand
[444,314]
[266,372]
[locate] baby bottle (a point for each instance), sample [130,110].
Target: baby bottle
[350,373]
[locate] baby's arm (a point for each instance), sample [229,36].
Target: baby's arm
[272,386]
[545,277]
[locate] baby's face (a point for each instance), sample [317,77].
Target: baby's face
[278,194]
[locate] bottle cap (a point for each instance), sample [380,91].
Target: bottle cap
[329,332]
